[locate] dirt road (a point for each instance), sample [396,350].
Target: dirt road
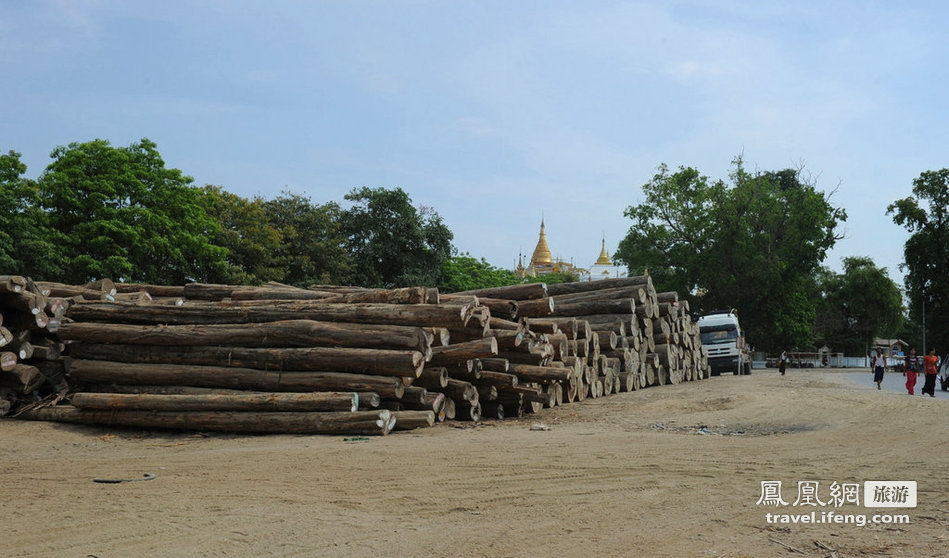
[634,474]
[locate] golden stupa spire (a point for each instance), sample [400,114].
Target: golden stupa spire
[603,259]
[542,251]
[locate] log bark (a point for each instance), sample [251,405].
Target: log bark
[567,326]
[540,374]
[494,364]
[287,333]
[608,340]
[495,323]
[577,287]
[425,315]
[499,379]
[415,395]
[450,354]
[487,393]
[433,377]
[507,309]
[404,295]
[466,410]
[469,370]
[12,283]
[636,292]
[525,291]
[537,308]
[360,422]
[23,378]
[460,390]
[366,361]
[493,410]
[410,420]
[324,401]
[229,377]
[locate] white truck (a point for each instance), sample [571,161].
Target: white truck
[724,343]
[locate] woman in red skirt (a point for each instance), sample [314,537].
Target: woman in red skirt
[912,368]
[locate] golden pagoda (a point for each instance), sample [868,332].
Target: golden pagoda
[603,268]
[542,258]
[603,259]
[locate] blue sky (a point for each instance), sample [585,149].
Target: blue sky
[494,113]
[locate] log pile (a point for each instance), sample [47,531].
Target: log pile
[332,359]
[29,349]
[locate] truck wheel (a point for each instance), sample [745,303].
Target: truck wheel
[738,368]
[747,371]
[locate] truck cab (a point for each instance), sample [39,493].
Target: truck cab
[724,343]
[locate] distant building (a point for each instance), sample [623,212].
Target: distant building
[543,263]
[603,268]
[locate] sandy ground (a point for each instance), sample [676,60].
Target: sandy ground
[626,475]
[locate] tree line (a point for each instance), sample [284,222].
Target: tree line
[755,242]
[103,211]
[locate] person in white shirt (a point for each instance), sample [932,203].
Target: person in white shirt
[879,365]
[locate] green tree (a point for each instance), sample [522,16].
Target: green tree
[857,305]
[925,215]
[127,217]
[393,244]
[554,278]
[312,248]
[253,243]
[465,273]
[28,246]
[752,244]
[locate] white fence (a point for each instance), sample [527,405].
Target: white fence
[833,361]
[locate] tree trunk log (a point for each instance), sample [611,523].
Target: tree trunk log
[325,401]
[425,315]
[498,379]
[524,291]
[433,377]
[540,374]
[378,362]
[450,354]
[578,287]
[233,378]
[536,308]
[23,378]
[410,420]
[360,422]
[493,410]
[287,333]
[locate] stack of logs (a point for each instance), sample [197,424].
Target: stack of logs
[29,350]
[334,359]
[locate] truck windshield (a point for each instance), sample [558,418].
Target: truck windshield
[718,335]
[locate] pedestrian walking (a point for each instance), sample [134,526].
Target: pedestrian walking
[912,368]
[783,362]
[930,366]
[879,366]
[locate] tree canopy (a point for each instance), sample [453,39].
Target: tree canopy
[752,244]
[123,215]
[925,214]
[28,245]
[101,211]
[465,273]
[857,305]
[392,243]
[312,247]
